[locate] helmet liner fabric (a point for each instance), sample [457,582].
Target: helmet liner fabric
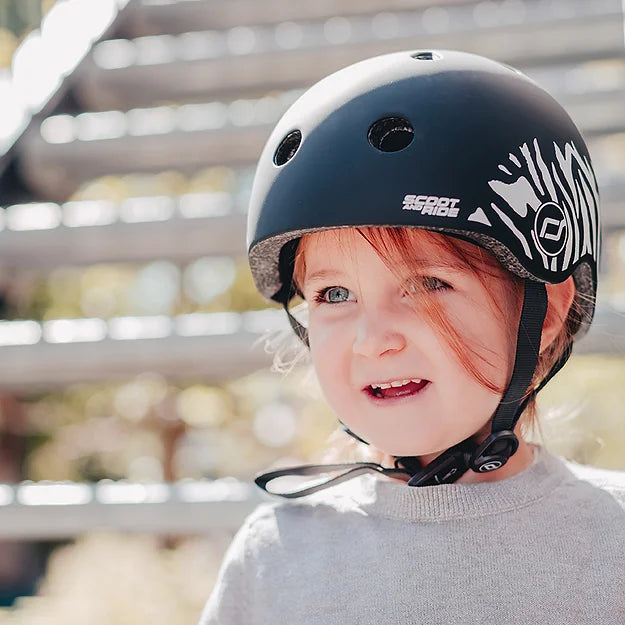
[264,263]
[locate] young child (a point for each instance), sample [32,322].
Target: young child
[438,213]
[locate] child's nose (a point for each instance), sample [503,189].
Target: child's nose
[376,336]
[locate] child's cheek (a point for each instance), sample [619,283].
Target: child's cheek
[322,337]
[325,323]
[328,346]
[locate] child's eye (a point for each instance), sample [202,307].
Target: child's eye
[428,283]
[334,295]
[432,283]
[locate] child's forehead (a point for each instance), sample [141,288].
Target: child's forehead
[403,251]
[334,246]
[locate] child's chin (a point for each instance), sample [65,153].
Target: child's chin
[396,450]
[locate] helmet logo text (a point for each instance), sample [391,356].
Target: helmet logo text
[432,205]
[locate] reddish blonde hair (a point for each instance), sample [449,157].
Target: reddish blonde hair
[397,246]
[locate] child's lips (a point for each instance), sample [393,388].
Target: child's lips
[396,392]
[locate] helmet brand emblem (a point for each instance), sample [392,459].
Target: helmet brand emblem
[545,234]
[438,206]
[491,466]
[550,227]
[547,199]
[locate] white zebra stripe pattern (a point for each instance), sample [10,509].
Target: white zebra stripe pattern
[563,200]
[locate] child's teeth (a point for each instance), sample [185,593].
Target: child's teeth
[396,383]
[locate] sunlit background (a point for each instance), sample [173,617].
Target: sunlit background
[136,400]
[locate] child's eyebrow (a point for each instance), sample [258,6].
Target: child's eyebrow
[438,264]
[322,274]
[423,264]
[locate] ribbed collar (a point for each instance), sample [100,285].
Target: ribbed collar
[396,500]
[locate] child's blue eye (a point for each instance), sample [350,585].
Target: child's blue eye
[334,295]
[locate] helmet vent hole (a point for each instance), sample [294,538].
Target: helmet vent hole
[287,148]
[390,134]
[426,56]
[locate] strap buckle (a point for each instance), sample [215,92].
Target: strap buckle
[494,452]
[446,468]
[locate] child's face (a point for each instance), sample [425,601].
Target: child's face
[364,330]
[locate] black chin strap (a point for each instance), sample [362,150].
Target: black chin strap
[492,453]
[489,455]
[350,470]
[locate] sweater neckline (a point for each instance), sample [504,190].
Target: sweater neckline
[396,500]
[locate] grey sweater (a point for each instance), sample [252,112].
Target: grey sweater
[541,547]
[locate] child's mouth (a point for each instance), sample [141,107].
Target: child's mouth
[395,389]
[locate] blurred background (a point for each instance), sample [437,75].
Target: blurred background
[136,397]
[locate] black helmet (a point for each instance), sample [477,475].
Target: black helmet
[446,141]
